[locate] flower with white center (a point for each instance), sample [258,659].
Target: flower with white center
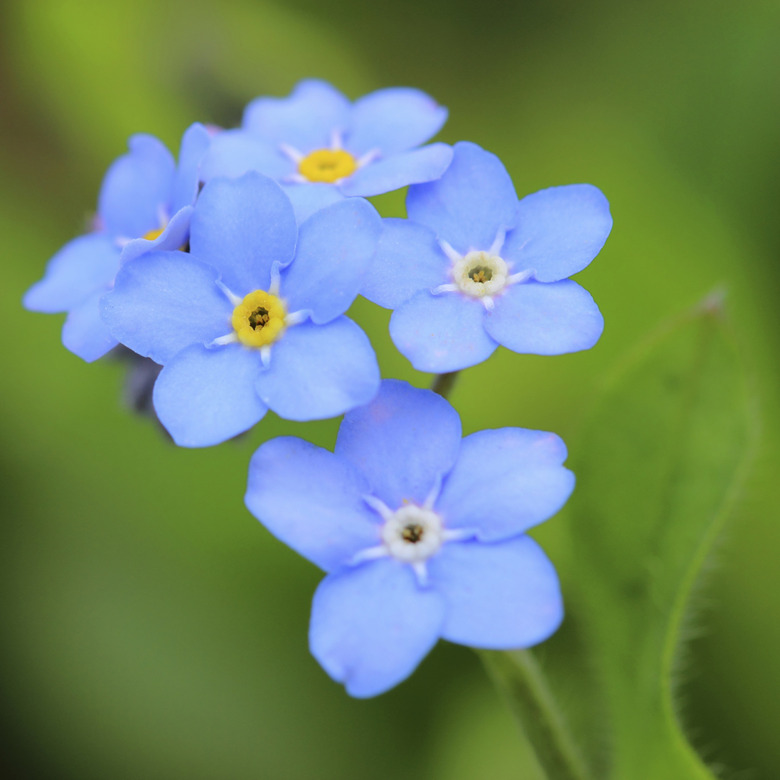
[472,267]
[252,318]
[322,147]
[145,203]
[421,533]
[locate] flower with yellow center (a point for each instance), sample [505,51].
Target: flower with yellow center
[327,165]
[259,319]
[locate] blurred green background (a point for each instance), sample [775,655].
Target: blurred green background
[151,627]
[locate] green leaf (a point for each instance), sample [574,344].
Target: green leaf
[661,460]
[657,470]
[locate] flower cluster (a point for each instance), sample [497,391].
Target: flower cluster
[233,271]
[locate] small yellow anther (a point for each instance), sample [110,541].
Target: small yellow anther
[259,319]
[152,234]
[327,165]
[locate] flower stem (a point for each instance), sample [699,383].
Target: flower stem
[517,674]
[443,383]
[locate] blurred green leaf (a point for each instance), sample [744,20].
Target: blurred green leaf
[658,467]
[663,455]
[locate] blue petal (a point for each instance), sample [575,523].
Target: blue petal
[505,482]
[335,248]
[399,170]
[559,231]
[194,144]
[136,190]
[408,259]
[371,626]
[319,371]
[84,333]
[206,396]
[545,319]
[311,500]
[175,236]
[86,264]
[165,301]
[308,199]
[404,441]
[393,120]
[499,596]
[441,333]
[470,203]
[304,120]
[242,227]
[235,152]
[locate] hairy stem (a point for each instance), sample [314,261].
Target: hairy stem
[443,383]
[520,679]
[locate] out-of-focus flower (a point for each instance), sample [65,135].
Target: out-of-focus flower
[145,203]
[422,533]
[473,267]
[316,137]
[252,317]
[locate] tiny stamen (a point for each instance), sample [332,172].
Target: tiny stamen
[291,152]
[368,157]
[230,338]
[448,250]
[521,276]
[231,296]
[379,507]
[421,571]
[444,288]
[498,242]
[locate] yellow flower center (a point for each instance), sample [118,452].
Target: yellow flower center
[327,165]
[259,319]
[152,234]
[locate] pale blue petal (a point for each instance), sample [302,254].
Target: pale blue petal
[319,371]
[242,227]
[335,247]
[404,441]
[398,170]
[312,500]
[372,625]
[408,259]
[506,481]
[393,120]
[545,319]
[441,333]
[84,333]
[206,396]
[136,190]
[470,203]
[194,144]
[86,264]
[559,231]
[165,301]
[235,152]
[304,120]
[175,236]
[308,199]
[499,596]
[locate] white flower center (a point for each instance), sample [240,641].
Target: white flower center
[412,533]
[480,274]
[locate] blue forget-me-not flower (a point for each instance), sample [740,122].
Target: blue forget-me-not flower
[252,318]
[421,533]
[317,137]
[473,267]
[145,202]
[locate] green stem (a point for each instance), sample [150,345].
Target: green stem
[520,679]
[443,383]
